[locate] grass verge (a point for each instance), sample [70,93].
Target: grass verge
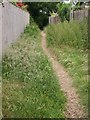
[68,41]
[30,88]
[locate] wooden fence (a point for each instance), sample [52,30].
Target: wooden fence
[78,14]
[54,19]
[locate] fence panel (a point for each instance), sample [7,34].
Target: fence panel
[54,19]
[78,14]
[13,21]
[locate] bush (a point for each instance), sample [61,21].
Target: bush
[64,11]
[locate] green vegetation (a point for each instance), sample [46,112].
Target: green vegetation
[73,34]
[68,41]
[63,10]
[78,6]
[40,11]
[30,88]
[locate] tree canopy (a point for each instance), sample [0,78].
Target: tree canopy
[64,11]
[40,12]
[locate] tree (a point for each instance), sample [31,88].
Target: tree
[64,11]
[40,12]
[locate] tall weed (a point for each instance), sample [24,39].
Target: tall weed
[73,34]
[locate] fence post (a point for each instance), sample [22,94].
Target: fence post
[71,15]
[0,31]
[89,27]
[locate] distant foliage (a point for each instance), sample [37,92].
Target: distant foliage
[21,5]
[41,11]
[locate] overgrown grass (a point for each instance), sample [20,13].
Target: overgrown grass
[68,41]
[73,34]
[30,88]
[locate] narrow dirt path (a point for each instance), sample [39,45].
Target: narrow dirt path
[74,110]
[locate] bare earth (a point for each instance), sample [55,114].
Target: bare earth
[74,110]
